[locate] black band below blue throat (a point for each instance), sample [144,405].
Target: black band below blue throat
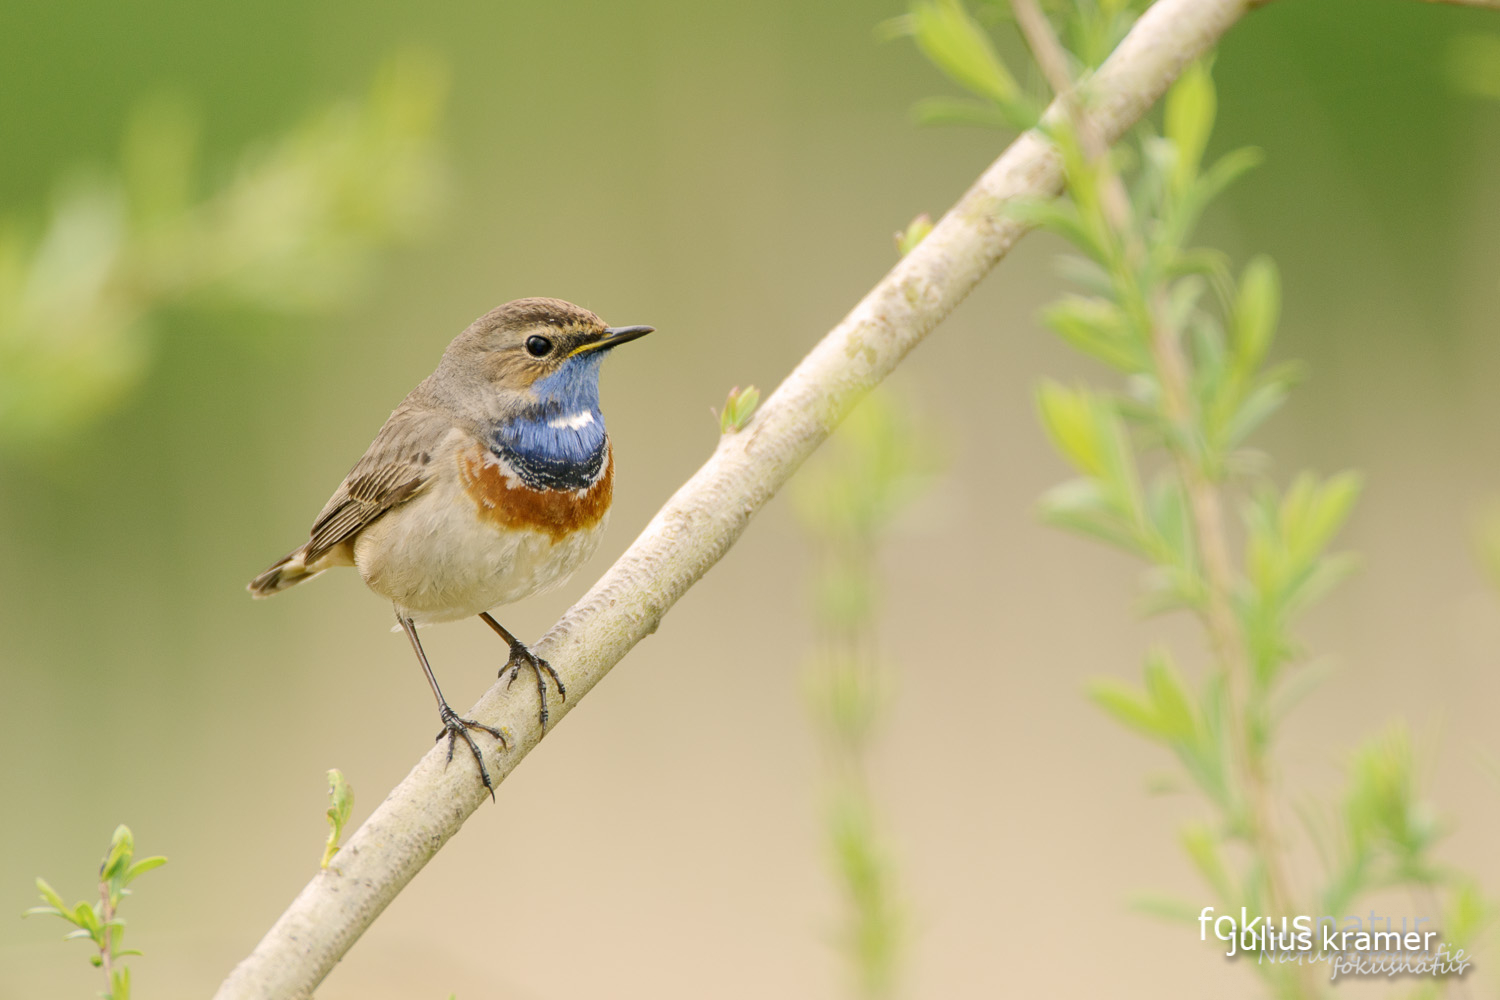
[545,462]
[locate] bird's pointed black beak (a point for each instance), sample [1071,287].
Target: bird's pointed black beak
[613,336]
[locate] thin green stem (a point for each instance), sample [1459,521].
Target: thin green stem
[1210,532]
[107,938]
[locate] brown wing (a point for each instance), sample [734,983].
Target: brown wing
[397,466]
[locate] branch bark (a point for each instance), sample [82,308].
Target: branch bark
[710,511]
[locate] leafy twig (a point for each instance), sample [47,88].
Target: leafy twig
[872,468]
[99,921]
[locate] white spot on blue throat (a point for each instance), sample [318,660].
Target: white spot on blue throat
[573,421]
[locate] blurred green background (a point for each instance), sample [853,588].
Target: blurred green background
[731,175]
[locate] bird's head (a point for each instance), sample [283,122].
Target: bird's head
[540,354]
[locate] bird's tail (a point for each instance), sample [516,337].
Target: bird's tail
[291,569]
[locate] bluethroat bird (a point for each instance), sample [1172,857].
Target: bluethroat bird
[489,483]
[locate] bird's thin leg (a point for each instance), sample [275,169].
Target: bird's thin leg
[521,656]
[454,726]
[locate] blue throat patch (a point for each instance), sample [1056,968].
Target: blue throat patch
[542,446]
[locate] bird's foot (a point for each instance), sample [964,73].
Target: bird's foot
[521,656]
[456,727]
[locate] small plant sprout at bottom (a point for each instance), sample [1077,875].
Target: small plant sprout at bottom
[99,921]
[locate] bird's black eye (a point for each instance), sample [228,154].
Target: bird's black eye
[537,346]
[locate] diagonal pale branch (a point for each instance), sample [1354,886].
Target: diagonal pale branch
[709,512]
